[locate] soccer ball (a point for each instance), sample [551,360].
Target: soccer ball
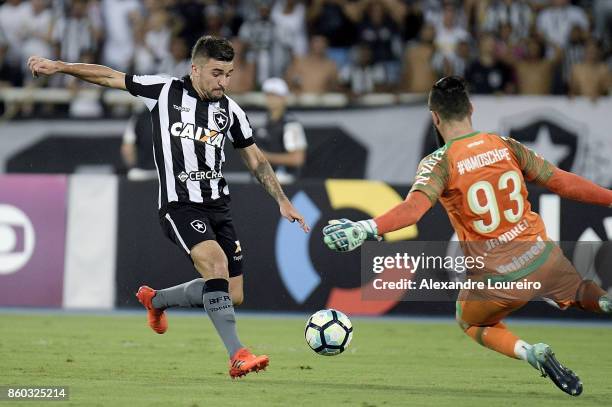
[328,332]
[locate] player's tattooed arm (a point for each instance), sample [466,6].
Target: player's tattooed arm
[266,177]
[259,166]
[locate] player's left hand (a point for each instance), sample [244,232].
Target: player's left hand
[289,212]
[344,235]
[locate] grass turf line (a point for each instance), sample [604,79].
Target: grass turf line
[119,361]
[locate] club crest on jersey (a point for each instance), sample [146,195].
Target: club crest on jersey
[198,225]
[188,130]
[221,120]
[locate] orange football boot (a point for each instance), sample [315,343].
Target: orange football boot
[156,318]
[244,362]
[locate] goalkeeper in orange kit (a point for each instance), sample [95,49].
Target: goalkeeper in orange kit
[479,178]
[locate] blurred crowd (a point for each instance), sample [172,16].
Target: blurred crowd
[318,46]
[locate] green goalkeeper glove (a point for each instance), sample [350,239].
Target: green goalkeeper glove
[344,235]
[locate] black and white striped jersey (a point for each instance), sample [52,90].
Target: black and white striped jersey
[188,137]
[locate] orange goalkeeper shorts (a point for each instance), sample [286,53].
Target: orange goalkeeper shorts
[559,283]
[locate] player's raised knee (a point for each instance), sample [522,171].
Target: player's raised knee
[210,264]
[216,268]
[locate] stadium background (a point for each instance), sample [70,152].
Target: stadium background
[82,230]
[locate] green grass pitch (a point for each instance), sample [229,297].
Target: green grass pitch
[116,360]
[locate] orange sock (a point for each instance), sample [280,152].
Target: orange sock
[495,337]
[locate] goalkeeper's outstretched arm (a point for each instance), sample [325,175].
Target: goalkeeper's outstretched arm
[344,235]
[572,186]
[98,74]
[403,215]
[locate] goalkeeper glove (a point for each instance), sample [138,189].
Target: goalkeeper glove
[344,235]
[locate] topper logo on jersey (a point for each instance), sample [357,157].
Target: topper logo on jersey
[190,131]
[181,108]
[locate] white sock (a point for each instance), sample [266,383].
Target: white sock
[520,349]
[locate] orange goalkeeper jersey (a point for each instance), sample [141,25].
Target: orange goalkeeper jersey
[480,180]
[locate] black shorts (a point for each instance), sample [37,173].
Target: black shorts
[189,224]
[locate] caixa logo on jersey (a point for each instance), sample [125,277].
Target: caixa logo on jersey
[554,136]
[190,131]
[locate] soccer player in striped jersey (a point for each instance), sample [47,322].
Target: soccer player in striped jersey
[192,118]
[479,178]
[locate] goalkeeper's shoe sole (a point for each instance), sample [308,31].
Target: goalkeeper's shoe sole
[566,380]
[244,362]
[156,318]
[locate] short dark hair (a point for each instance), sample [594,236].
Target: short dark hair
[217,48]
[450,99]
